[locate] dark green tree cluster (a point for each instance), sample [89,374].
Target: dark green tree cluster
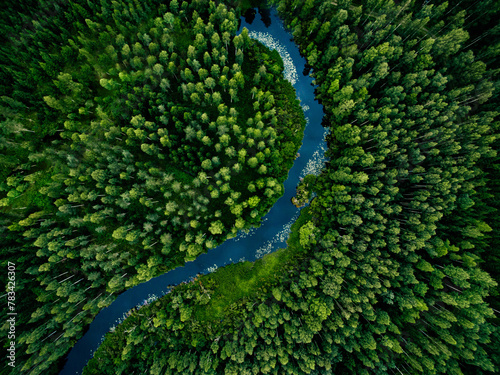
[484,39]
[135,140]
[391,279]
[304,191]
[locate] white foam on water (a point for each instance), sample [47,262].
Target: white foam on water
[279,237]
[317,161]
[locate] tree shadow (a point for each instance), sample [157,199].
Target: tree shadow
[250,16]
[266,16]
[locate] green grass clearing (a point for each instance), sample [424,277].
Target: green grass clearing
[238,282]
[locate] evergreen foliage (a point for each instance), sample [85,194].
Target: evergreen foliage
[387,274]
[129,139]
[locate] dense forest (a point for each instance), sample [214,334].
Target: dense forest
[394,267]
[137,135]
[134,137]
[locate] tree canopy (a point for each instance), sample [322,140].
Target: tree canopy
[386,270]
[124,151]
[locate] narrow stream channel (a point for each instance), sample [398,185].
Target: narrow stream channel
[273,232]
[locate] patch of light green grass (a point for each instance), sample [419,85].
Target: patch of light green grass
[236,283]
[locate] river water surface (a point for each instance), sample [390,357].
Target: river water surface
[275,227]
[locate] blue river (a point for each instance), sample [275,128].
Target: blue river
[275,227]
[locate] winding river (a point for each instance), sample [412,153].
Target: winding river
[273,232]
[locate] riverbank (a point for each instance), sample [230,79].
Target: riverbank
[210,305]
[271,234]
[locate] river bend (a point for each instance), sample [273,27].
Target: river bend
[275,227]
